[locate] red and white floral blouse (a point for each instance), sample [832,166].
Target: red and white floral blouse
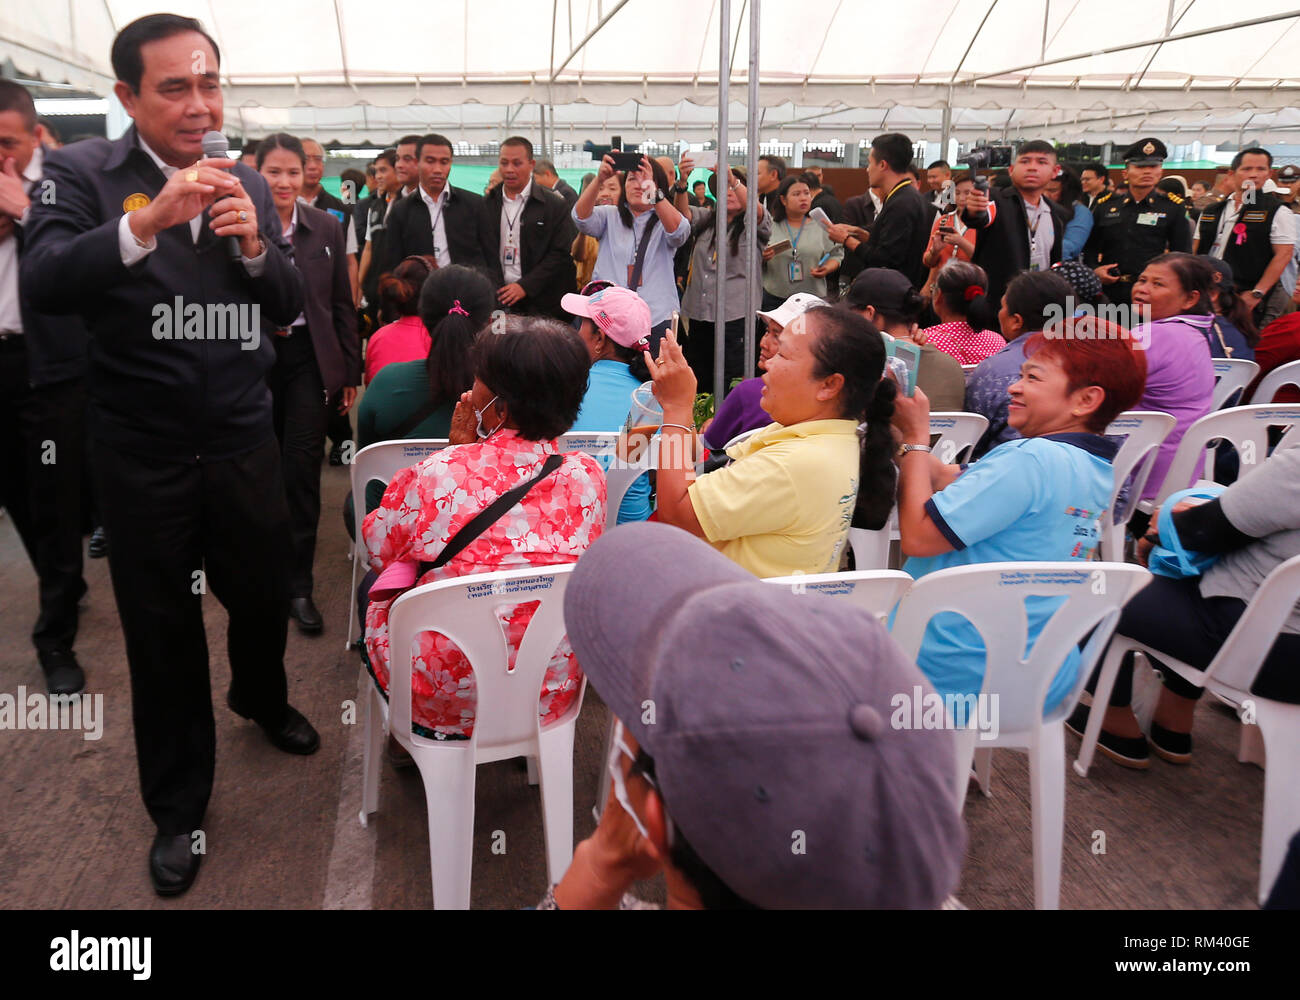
[425,505]
[968,345]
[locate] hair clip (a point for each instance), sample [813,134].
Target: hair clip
[457,308]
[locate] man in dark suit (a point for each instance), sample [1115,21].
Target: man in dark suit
[436,219]
[1019,227]
[899,235]
[526,232]
[42,408]
[318,360]
[172,259]
[544,174]
[859,213]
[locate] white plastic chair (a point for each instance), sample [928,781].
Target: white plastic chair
[1278,378]
[871,548]
[1244,427]
[874,590]
[1230,675]
[1231,375]
[622,472]
[1143,432]
[958,435]
[991,597]
[379,461]
[506,722]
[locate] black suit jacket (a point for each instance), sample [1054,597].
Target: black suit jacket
[565,191]
[546,232]
[859,211]
[56,345]
[407,229]
[161,384]
[899,235]
[1002,238]
[320,254]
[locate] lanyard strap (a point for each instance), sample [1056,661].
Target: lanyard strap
[794,240]
[510,223]
[1038,218]
[898,187]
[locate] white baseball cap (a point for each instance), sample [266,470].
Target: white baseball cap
[799,302]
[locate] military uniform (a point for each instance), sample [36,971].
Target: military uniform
[1128,232]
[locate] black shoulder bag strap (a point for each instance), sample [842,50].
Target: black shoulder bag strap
[634,280]
[489,516]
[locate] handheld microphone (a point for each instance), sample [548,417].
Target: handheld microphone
[216,147]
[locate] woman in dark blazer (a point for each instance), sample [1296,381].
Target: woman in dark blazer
[317,357]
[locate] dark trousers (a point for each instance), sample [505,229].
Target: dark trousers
[1172,616]
[41,466]
[301,416]
[168,521]
[339,428]
[700,347]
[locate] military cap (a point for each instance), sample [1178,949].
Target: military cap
[1146,153]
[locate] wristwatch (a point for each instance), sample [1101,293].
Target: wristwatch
[1257,293]
[680,187]
[659,195]
[903,449]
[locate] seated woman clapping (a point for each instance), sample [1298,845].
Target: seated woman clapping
[1039,498]
[529,381]
[785,504]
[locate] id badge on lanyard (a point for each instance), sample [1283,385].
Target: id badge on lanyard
[630,269]
[796,270]
[508,256]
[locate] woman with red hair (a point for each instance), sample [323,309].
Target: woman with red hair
[1039,498]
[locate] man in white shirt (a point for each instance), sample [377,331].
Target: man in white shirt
[526,234]
[42,408]
[1254,232]
[438,219]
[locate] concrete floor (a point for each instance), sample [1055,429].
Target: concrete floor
[282,831]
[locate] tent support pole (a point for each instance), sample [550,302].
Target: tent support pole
[720,214]
[750,243]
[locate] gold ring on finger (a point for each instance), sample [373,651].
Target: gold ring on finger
[192,176]
[243,216]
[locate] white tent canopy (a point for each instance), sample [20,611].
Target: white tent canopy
[1093,70]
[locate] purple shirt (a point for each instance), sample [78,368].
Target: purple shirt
[1180,382]
[741,411]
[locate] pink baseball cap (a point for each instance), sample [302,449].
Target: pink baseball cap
[619,313]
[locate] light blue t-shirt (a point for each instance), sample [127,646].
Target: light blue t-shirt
[605,408]
[1032,500]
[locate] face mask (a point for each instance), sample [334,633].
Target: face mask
[478,426]
[617,746]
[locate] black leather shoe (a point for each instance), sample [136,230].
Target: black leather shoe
[1176,748]
[336,455]
[173,864]
[294,734]
[63,675]
[1127,751]
[98,547]
[303,611]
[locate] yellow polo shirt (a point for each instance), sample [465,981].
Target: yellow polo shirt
[785,504]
